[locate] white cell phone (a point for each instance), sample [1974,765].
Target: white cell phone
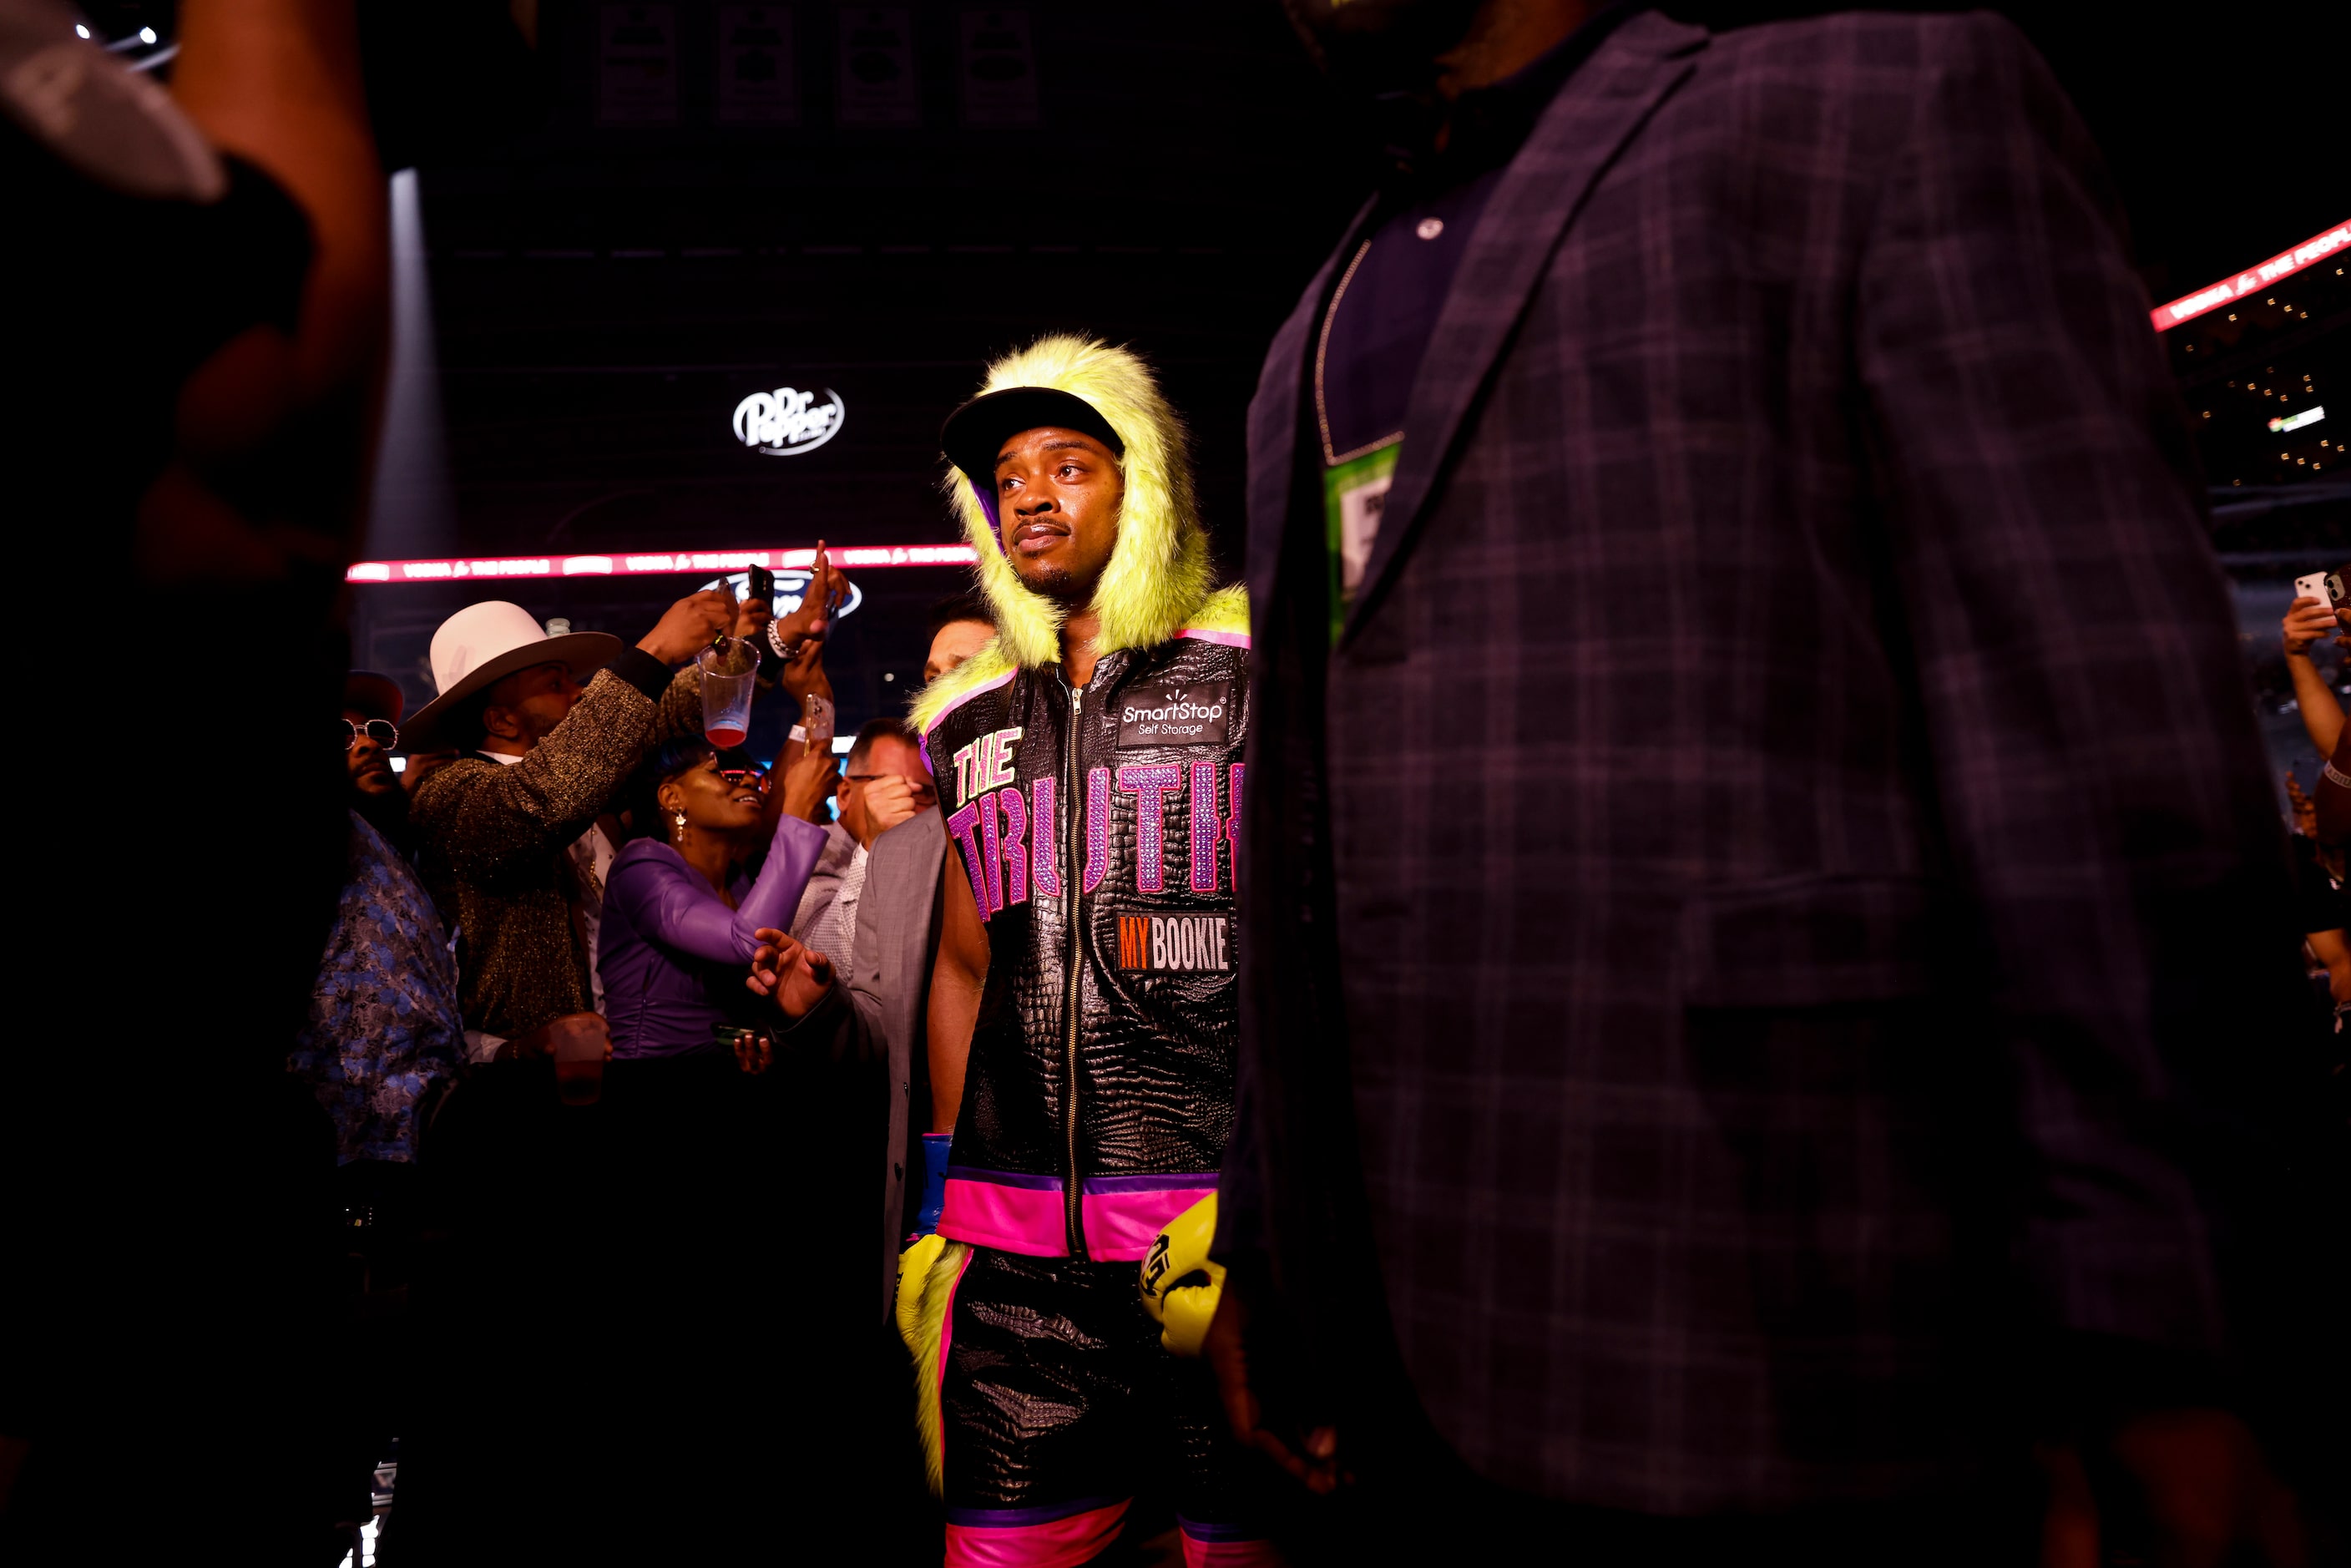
[2313,587]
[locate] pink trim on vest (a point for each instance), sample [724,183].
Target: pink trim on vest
[1229,639]
[1057,1543]
[1121,1226]
[940,717]
[1029,1221]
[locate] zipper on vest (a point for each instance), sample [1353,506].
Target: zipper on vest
[1073,791]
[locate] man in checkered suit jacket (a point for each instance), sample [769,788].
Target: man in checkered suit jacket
[1760,921]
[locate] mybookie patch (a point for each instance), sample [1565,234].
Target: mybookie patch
[1192,943]
[1177,713]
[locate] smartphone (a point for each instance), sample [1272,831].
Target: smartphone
[763,586]
[2313,587]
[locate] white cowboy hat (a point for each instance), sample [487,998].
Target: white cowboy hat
[482,644]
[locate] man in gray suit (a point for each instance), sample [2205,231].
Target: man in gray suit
[884,784]
[890,983]
[1764,975]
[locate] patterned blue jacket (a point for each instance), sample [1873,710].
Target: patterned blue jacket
[383,1022]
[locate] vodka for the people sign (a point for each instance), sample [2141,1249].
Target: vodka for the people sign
[787,422]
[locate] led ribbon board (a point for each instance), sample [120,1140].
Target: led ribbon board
[2188,307]
[651,563]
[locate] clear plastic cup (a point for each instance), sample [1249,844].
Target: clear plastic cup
[579,1042]
[728,667]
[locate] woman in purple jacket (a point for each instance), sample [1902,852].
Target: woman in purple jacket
[679,926]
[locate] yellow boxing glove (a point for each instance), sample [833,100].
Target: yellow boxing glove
[914,1268]
[1181,1284]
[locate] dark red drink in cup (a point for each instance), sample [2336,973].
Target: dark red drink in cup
[727,668]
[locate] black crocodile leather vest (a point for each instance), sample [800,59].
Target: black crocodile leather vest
[1097,827]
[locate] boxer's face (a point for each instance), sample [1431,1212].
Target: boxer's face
[1057,492]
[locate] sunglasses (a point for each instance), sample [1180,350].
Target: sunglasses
[742,776]
[382,731]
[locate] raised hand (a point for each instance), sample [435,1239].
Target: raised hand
[813,618]
[2306,621]
[807,781]
[751,617]
[688,626]
[804,673]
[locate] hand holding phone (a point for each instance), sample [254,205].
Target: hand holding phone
[2311,616]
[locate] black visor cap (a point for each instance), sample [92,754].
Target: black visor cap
[977,431]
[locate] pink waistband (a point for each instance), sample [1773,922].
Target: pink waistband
[1124,1214]
[1013,1212]
[1062,1542]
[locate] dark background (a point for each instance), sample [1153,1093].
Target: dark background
[600,294]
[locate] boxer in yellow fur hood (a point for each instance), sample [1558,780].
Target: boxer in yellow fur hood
[1084,1001]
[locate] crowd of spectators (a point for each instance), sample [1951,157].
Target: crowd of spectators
[602,879]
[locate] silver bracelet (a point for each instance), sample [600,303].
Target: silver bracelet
[2334,775]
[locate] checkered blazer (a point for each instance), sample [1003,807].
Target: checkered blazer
[1761,889]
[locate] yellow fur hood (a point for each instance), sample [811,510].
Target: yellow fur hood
[1156,583]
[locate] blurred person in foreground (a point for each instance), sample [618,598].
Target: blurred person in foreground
[1909,1165]
[199,279]
[680,915]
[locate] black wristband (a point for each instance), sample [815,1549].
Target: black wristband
[642,671]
